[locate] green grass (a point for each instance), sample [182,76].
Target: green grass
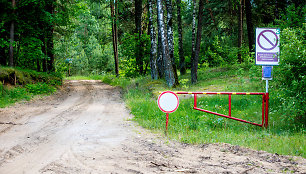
[20,84]
[92,77]
[196,127]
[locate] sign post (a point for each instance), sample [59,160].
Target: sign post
[267,46]
[267,55]
[168,102]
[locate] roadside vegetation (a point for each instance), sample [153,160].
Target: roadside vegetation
[283,136]
[18,84]
[122,42]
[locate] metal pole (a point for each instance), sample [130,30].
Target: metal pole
[267,110]
[267,104]
[230,105]
[167,118]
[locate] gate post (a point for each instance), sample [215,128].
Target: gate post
[267,110]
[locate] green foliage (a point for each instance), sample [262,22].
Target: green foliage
[293,17]
[10,96]
[40,88]
[191,126]
[87,42]
[28,83]
[30,52]
[291,74]
[127,64]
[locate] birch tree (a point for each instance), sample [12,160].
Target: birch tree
[193,29]
[170,37]
[195,58]
[169,72]
[153,52]
[160,60]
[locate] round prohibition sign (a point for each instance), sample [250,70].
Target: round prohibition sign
[271,44]
[168,102]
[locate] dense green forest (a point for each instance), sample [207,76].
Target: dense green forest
[163,39]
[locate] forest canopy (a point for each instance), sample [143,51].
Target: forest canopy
[162,38]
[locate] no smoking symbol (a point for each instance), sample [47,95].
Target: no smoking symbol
[267,40]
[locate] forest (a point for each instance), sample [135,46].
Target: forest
[162,39]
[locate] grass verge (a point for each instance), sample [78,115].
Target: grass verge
[190,126]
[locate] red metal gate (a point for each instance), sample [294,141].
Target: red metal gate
[265,105]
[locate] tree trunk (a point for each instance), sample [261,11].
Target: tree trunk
[195,58]
[180,37]
[170,37]
[116,39]
[44,50]
[12,33]
[153,52]
[50,44]
[240,29]
[139,46]
[169,72]
[114,34]
[193,29]
[2,57]
[249,22]
[160,60]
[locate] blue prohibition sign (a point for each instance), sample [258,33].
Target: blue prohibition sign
[273,45]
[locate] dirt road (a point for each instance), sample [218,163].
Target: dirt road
[85,128]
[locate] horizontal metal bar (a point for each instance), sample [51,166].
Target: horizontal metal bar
[222,93]
[226,116]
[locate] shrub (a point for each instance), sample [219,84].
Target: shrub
[291,73]
[40,88]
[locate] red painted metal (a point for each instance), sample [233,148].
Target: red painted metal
[223,93]
[267,110]
[263,109]
[195,100]
[167,118]
[265,105]
[237,119]
[230,105]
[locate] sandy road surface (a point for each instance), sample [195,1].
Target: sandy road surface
[85,128]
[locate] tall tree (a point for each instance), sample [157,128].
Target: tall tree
[3,35]
[240,28]
[12,34]
[114,34]
[248,9]
[153,52]
[138,30]
[182,65]
[160,60]
[193,28]
[50,30]
[170,37]
[169,72]
[195,57]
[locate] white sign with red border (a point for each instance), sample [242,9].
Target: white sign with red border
[168,101]
[267,46]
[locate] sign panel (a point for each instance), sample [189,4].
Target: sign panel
[168,101]
[267,46]
[267,72]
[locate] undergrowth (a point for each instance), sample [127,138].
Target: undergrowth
[17,84]
[191,126]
